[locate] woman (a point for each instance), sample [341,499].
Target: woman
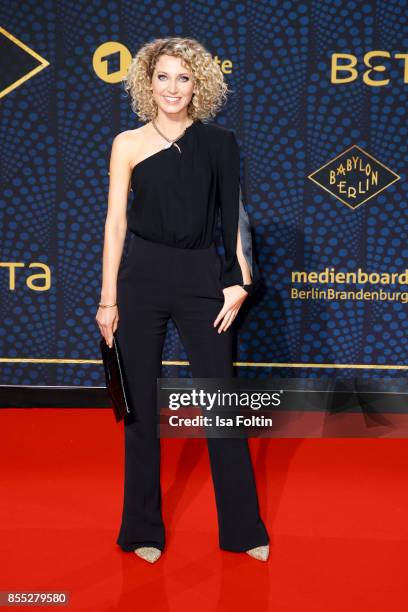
[180,170]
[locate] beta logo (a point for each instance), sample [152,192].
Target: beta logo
[353,177]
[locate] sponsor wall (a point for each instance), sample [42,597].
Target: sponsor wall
[319,108]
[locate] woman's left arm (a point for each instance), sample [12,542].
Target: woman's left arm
[240,274]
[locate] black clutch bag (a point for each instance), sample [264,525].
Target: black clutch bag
[115,379]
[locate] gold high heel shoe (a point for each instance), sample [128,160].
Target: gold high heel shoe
[260,552]
[148,553]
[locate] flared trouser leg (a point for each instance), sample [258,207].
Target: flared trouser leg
[240,526]
[140,338]
[155,283]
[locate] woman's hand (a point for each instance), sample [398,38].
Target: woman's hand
[107,319]
[234,297]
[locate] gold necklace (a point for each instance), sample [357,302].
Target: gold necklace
[170,142]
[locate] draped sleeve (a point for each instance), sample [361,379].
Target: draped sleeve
[234,218]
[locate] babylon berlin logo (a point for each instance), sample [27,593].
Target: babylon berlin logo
[354,176]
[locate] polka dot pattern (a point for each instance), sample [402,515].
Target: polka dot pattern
[57,129]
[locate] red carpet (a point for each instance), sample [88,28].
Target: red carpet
[336,511]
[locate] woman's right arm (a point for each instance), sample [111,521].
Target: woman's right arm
[115,232]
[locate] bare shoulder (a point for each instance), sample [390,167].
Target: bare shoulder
[127,145]
[130,137]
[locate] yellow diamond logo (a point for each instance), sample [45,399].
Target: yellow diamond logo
[354,176]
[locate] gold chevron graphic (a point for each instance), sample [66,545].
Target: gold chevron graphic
[43,63]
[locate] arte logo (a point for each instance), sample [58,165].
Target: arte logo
[353,177]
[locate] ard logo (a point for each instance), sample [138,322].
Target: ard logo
[353,177]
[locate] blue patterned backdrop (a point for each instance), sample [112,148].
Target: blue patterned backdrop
[58,119]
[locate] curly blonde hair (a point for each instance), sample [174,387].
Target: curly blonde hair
[210,88]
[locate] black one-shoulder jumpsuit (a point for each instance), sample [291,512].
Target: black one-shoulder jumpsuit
[172,269]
